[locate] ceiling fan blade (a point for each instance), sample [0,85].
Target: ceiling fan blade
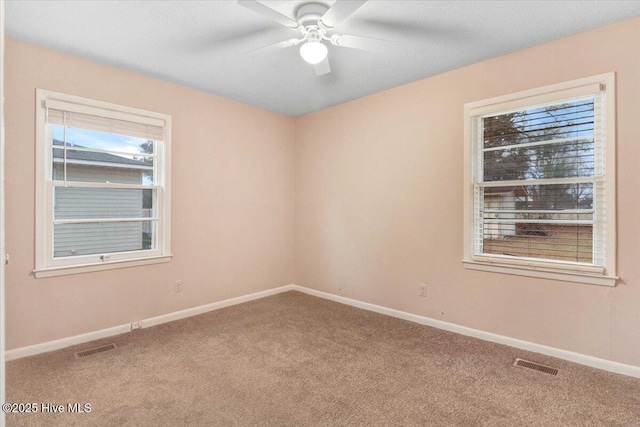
[322,67]
[272,47]
[358,42]
[340,10]
[269,13]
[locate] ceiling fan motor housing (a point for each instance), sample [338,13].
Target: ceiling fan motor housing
[310,13]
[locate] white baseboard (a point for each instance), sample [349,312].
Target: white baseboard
[594,362]
[176,315]
[44,347]
[32,350]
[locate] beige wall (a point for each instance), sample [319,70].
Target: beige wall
[379,202]
[232,224]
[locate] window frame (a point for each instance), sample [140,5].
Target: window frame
[540,268]
[46,265]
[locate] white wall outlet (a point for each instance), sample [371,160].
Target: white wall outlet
[178,286]
[136,325]
[422,290]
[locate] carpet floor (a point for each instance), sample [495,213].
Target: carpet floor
[297,360]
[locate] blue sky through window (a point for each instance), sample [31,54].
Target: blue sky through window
[100,140]
[114,143]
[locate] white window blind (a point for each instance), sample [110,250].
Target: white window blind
[103,120]
[539,184]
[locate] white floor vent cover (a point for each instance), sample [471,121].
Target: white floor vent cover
[535,366]
[95,350]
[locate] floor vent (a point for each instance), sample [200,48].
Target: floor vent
[535,366]
[95,350]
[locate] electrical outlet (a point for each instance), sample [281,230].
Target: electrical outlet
[136,325]
[178,286]
[423,290]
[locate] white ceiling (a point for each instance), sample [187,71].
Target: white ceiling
[202,44]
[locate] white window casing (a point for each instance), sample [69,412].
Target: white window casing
[104,208]
[486,214]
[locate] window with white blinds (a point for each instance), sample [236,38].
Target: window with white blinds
[542,189]
[103,185]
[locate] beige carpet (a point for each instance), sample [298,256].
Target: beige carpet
[297,360]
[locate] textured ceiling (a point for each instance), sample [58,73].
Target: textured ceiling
[202,44]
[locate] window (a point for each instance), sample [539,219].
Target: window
[102,190]
[540,182]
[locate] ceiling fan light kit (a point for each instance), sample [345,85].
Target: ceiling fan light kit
[313,52]
[314,21]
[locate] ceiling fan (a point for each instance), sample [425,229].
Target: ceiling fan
[315,22]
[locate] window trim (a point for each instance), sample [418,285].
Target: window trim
[542,268]
[45,265]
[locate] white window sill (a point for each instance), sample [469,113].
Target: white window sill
[543,273]
[87,268]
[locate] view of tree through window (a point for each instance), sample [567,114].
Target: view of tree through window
[537,170]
